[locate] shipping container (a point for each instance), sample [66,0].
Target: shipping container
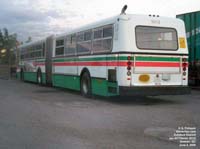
[192,24]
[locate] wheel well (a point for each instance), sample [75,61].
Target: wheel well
[21,74]
[39,70]
[88,93]
[21,70]
[85,70]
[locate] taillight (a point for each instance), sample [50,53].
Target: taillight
[129,66]
[129,63]
[184,66]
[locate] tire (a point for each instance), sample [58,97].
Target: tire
[39,77]
[86,85]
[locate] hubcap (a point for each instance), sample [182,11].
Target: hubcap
[85,87]
[39,79]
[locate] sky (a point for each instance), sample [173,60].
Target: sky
[41,18]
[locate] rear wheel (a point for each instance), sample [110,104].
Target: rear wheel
[86,85]
[39,77]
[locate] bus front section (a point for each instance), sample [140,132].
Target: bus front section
[158,60]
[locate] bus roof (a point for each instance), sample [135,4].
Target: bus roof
[96,24]
[103,22]
[32,43]
[111,20]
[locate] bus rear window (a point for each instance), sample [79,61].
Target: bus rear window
[156,38]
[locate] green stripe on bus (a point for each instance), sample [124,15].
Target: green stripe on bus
[64,59]
[92,59]
[171,59]
[121,58]
[103,58]
[40,60]
[30,76]
[18,76]
[70,82]
[99,86]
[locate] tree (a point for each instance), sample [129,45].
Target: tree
[1,39]
[6,35]
[8,42]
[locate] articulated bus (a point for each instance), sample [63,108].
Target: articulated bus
[123,55]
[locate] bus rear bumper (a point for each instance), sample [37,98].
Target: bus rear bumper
[153,91]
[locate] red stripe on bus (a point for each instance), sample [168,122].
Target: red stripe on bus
[157,64]
[140,64]
[90,64]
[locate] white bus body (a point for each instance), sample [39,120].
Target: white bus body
[123,55]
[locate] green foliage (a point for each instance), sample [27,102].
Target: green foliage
[7,42]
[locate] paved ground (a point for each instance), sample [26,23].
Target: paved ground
[33,117]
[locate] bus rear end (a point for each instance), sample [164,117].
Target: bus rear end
[158,59]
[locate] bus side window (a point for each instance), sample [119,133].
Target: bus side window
[108,31]
[84,42]
[107,37]
[102,41]
[32,54]
[59,47]
[73,43]
[37,49]
[70,45]
[97,40]
[22,53]
[28,53]
[34,51]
